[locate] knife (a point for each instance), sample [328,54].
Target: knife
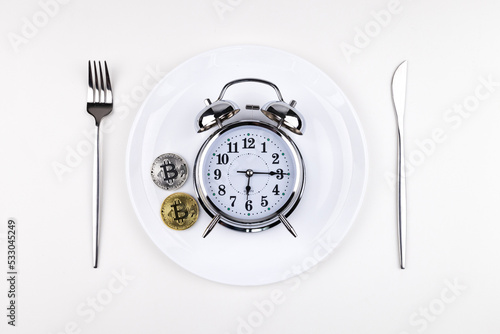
[399,100]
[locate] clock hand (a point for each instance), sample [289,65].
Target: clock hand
[248,188]
[249,174]
[269,173]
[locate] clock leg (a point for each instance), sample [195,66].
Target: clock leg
[210,226]
[287,225]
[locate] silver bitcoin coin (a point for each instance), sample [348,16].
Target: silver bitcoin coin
[169,171]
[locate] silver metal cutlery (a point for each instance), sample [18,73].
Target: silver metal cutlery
[399,100]
[99,104]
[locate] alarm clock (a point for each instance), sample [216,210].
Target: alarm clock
[249,175]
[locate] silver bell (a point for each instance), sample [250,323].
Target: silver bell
[215,113]
[285,115]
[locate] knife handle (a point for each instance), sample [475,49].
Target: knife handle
[401,193]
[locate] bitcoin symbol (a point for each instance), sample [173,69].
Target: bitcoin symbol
[167,172]
[177,217]
[179,211]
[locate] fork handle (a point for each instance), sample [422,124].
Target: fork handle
[96,201]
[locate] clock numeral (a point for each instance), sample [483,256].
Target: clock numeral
[263,201]
[276,191]
[279,174]
[231,146]
[264,147]
[248,142]
[222,190]
[276,157]
[222,159]
[233,199]
[217,174]
[248,205]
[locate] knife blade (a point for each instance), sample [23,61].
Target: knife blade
[398,86]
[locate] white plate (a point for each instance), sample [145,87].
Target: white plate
[333,148]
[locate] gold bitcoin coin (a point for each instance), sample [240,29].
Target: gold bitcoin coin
[179,211]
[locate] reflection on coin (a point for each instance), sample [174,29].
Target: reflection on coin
[179,211]
[169,171]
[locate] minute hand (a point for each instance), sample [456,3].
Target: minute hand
[269,173]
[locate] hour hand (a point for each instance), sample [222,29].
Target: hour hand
[248,188]
[248,174]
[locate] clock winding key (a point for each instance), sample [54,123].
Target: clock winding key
[169,171]
[179,211]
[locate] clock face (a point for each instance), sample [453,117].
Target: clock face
[249,172]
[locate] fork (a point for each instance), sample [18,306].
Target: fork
[99,104]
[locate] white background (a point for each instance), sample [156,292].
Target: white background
[452,191]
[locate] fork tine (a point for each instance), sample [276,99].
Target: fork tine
[109,91]
[97,94]
[102,92]
[91,89]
